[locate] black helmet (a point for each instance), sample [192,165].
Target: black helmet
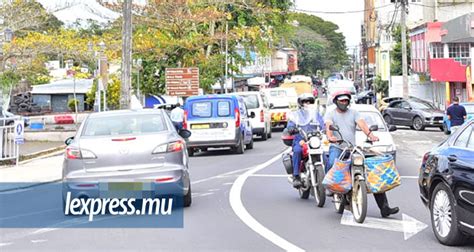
[305,98]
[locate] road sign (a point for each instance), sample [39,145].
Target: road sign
[182,81]
[19,132]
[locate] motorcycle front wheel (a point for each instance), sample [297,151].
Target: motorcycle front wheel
[339,202]
[318,188]
[304,194]
[359,201]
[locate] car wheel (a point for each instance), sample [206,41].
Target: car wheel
[190,152]
[443,215]
[249,146]
[188,198]
[441,128]
[418,124]
[388,119]
[240,147]
[264,136]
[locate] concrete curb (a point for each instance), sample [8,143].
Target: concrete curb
[32,184]
[42,154]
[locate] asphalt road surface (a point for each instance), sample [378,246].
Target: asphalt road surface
[244,203]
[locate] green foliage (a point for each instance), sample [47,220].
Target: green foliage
[381,86]
[396,64]
[8,79]
[113,93]
[319,44]
[72,104]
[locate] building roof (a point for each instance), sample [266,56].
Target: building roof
[458,30]
[65,86]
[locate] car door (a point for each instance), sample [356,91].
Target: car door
[245,121]
[393,110]
[406,113]
[266,112]
[460,157]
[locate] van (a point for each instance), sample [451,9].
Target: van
[218,121]
[282,102]
[257,103]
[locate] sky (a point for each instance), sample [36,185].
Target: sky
[349,24]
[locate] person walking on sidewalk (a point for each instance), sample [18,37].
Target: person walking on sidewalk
[456,114]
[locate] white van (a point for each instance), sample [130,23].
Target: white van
[262,122]
[282,101]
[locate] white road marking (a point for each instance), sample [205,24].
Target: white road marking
[223,175]
[213,190]
[5,244]
[409,177]
[409,226]
[244,215]
[228,183]
[29,214]
[269,175]
[204,194]
[38,241]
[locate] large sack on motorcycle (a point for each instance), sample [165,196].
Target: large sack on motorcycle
[338,179]
[382,175]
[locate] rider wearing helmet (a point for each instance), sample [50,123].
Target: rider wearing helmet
[308,118]
[347,119]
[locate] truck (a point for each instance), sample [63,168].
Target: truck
[282,101]
[302,84]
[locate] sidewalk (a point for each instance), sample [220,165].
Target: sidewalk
[31,147]
[30,173]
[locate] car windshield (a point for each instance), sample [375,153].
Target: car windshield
[124,125]
[421,105]
[251,101]
[469,109]
[373,118]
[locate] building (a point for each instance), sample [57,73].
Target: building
[56,95]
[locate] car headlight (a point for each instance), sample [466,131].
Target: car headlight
[357,159]
[315,142]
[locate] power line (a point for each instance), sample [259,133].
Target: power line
[341,12]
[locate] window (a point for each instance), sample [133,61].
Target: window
[460,50]
[251,101]
[463,138]
[124,125]
[437,51]
[201,109]
[223,108]
[471,140]
[373,118]
[422,105]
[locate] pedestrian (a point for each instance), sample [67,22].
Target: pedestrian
[456,114]
[177,116]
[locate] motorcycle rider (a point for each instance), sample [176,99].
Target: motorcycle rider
[308,118]
[347,119]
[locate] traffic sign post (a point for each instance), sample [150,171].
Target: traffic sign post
[182,81]
[19,137]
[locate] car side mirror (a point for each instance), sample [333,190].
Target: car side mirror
[333,127]
[252,114]
[271,105]
[407,108]
[374,128]
[69,140]
[184,133]
[392,128]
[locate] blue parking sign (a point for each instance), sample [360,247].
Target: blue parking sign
[19,132]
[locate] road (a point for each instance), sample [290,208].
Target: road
[243,202]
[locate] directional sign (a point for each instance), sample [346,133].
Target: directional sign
[409,226]
[182,81]
[19,132]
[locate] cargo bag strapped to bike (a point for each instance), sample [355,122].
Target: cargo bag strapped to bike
[338,179]
[382,175]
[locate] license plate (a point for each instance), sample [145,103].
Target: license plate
[200,126]
[125,186]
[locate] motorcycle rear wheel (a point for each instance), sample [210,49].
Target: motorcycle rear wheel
[359,201]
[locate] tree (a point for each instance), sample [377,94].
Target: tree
[396,64]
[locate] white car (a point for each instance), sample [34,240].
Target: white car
[373,117]
[262,122]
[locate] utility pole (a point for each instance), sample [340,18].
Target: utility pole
[404,49]
[126,55]
[226,56]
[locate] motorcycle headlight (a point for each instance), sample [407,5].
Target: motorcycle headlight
[357,159]
[314,142]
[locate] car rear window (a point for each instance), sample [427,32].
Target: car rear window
[124,125]
[201,109]
[251,101]
[223,108]
[469,109]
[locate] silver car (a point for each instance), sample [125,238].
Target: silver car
[139,148]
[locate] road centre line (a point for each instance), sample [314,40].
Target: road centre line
[239,209]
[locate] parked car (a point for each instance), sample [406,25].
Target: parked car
[257,103]
[469,106]
[446,182]
[365,97]
[218,121]
[384,102]
[127,146]
[282,101]
[9,119]
[416,113]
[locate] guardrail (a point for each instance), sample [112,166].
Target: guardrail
[9,150]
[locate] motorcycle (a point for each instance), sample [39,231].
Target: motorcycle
[311,167]
[356,199]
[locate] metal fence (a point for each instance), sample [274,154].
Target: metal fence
[9,150]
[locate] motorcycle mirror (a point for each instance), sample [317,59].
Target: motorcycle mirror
[334,127]
[374,128]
